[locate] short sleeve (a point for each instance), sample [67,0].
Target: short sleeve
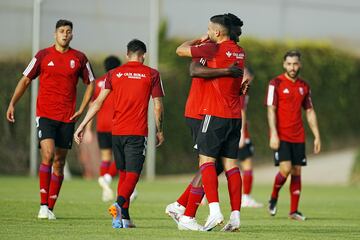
[204,50]
[33,70]
[271,94]
[108,82]
[157,89]
[87,73]
[307,102]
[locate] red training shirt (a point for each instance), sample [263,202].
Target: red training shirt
[289,97]
[221,95]
[244,100]
[105,115]
[132,84]
[58,76]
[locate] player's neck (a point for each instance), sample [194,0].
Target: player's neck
[290,78]
[223,39]
[61,49]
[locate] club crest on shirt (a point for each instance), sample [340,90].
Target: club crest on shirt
[301,90]
[101,84]
[72,63]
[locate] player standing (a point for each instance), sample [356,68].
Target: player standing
[286,95]
[132,85]
[59,68]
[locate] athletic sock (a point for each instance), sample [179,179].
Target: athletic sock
[183,199]
[104,167]
[234,186]
[210,181]
[128,186]
[112,169]
[247,181]
[195,197]
[122,176]
[278,183]
[295,190]
[44,181]
[54,190]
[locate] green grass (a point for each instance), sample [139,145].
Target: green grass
[333,213]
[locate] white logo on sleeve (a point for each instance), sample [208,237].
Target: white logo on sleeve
[51,64]
[286,91]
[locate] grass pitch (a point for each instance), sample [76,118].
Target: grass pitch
[333,213]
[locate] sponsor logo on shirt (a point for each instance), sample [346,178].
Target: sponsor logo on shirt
[51,63]
[286,91]
[72,63]
[131,75]
[301,90]
[237,55]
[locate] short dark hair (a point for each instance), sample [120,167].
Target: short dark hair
[236,24]
[63,22]
[222,20]
[292,53]
[111,62]
[136,45]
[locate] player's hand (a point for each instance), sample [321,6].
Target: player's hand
[76,116]
[235,71]
[78,135]
[242,141]
[159,138]
[10,114]
[245,85]
[317,145]
[274,142]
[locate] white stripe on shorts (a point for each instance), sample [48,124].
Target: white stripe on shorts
[206,123]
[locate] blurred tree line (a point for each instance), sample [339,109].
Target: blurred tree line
[332,74]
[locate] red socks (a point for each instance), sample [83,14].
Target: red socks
[210,181]
[195,196]
[234,186]
[44,180]
[295,189]
[183,199]
[112,169]
[104,167]
[247,181]
[278,183]
[128,185]
[54,189]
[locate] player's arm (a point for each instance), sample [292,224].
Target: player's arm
[312,121]
[78,135]
[159,120]
[184,50]
[21,87]
[86,99]
[274,138]
[198,70]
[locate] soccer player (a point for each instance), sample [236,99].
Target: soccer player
[219,132]
[286,95]
[58,68]
[246,150]
[132,85]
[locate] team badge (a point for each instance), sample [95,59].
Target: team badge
[72,63]
[101,84]
[301,90]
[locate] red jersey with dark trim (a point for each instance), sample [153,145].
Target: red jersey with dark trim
[132,84]
[221,95]
[244,100]
[105,115]
[58,77]
[289,97]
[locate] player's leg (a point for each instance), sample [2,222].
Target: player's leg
[104,180]
[46,130]
[299,160]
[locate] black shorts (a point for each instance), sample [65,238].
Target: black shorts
[104,140]
[194,125]
[294,152]
[219,137]
[61,132]
[129,152]
[246,151]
